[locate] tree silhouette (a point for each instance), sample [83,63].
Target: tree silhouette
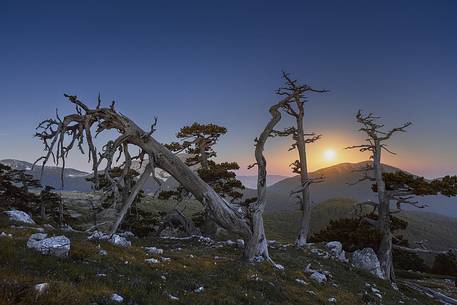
[61,135]
[198,142]
[398,188]
[14,189]
[294,92]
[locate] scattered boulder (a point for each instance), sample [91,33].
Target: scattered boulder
[318,277]
[366,259]
[240,243]
[319,252]
[199,289]
[153,250]
[40,288]
[300,281]
[332,300]
[205,239]
[336,251]
[34,238]
[117,298]
[230,242]
[334,247]
[57,246]
[120,241]
[309,270]
[103,252]
[3,234]
[20,216]
[151,261]
[126,234]
[97,235]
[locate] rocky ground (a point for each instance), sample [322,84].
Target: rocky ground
[92,269]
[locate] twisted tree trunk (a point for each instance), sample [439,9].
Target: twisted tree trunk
[77,126]
[257,244]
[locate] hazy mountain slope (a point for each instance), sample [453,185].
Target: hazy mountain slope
[336,185]
[437,231]
[74,180]
[251,181]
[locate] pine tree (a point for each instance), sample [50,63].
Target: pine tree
[198,142]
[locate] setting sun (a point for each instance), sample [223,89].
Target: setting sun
[329,155]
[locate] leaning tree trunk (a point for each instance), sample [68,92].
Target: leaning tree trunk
[209,226]
[78,125]
[225,214]
[131,198]
[305,201]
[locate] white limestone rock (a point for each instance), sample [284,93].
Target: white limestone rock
[117,298]
[41,288]
[57,246]
[318,277]
[153,250]
[20,216]
[120,241]
[367,260]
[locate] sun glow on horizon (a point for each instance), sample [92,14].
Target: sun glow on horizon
[329,155]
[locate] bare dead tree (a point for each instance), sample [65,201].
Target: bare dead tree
[77,128]
[61,135]
[257,246]
[295,108]
[376,139]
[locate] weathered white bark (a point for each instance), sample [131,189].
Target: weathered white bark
[257,245]
[385,247]
[223,213]
[421,250]
[442,298]
[375,145]
[77,127]
[248,224]
[295,108]
[131,198]
[305,195]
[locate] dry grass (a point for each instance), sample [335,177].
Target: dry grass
[225,277]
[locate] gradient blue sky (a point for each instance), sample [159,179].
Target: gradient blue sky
[220,61]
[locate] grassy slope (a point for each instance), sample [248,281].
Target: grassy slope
[225,277]
[437,231]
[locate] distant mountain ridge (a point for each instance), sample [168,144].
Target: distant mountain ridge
[336,185]
[251,181]
[74,180]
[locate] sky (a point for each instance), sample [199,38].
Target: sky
[221,62]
